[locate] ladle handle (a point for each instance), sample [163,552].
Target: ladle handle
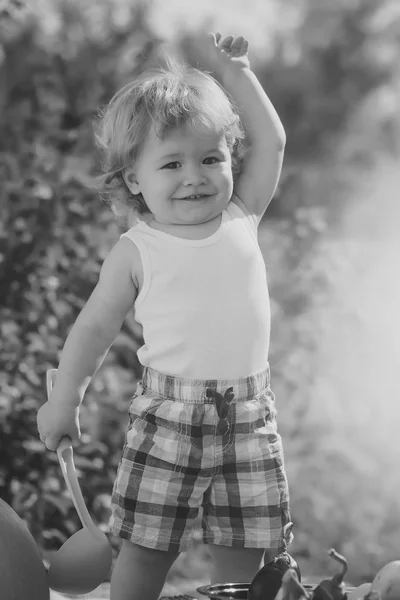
[66,460]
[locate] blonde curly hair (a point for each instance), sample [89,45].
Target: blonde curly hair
[165,98]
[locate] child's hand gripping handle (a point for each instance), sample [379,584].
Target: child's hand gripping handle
[66,460]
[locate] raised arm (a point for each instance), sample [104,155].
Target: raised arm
[260,173]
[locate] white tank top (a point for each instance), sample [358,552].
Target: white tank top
[204,304]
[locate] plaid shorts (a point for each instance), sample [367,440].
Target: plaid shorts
[210,444]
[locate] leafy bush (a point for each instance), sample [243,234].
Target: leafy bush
[54,236]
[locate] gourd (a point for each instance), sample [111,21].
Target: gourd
[268,580]
[387,581]
[22,573]
[332,589]
[291,588]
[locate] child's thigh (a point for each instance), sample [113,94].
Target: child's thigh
[235,565]
[134,555]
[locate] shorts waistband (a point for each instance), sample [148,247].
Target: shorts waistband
[202,391]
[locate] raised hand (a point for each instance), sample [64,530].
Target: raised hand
[222,55]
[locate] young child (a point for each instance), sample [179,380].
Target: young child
[202,431]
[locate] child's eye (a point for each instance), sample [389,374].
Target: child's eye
[211,160]
[171,165]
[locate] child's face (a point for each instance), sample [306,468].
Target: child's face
[182,164]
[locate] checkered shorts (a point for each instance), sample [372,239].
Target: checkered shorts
[210,444]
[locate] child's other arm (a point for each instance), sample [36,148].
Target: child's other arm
[98,323]
[258,179]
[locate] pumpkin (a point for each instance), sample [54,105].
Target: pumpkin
[22,573]
[387,581]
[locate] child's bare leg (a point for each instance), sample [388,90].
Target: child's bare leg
[140,572]
[235,565]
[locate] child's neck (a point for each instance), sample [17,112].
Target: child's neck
[189,232]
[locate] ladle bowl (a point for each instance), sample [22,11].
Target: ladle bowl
[84,561]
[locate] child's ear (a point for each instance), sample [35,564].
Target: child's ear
[130,180]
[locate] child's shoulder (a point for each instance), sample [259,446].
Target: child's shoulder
[124,252]
[124,256]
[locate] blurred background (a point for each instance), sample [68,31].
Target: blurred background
[330,240]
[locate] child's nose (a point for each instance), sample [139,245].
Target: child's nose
[194,176]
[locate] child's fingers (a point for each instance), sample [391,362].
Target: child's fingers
[237,44]
[227,42]
[52,442]
[214,37]
[245,47]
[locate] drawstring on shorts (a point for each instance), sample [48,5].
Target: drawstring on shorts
[223,405]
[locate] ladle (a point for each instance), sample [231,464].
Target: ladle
[84,561]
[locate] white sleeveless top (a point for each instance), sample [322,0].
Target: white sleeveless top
[204,305]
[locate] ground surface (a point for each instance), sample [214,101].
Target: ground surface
[170,591]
